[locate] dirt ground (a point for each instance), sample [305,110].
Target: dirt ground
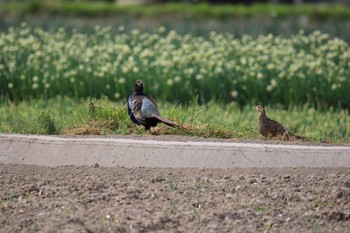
[99,199]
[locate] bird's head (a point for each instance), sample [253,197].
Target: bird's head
[138,87]
[260,109]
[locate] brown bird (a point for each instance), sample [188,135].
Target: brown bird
[143,109]
[271,128]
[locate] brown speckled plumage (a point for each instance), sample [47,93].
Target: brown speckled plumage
[271,128]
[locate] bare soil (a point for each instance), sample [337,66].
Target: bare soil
[99,199]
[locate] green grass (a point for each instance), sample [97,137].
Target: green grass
[214,120]
[189,10]
[301,69]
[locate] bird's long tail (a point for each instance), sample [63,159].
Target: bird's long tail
[293,136]
[168,122]
[298,137]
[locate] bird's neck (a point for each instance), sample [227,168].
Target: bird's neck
[262,116]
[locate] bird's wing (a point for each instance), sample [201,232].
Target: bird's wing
[149,109]
[277,127]
[134,109]
[152,100]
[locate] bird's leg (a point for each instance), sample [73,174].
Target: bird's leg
[285,135]
[154,132]
[286,132]
[147,129]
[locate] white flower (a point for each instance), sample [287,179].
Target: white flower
[170,82]
[199,77]
[121,28]
[161,29]
[121,80]
[243,60]
[135,32]
[234,94]
[273,83]
[269,88]
[270,66]
[35,78]
[117,95]
[125,69]
[135,69]
[219,70]
[97,27]
[177,79]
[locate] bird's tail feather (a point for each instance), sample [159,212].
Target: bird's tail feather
[291,135]
[298,137]
[168,122]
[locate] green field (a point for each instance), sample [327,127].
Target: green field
[195,19]
[67,116]
[208,66]
[302,69]
[202,10]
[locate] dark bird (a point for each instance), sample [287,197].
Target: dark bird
[143,109]
[271,128]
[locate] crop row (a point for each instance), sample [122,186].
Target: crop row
[301,69]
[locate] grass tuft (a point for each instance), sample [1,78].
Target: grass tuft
[47,123]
